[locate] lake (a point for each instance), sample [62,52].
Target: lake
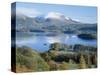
[41,41]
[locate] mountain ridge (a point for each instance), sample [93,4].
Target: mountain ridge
[49,23]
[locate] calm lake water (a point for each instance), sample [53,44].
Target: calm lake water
[41,41]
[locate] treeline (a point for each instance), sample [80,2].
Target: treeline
[76,59]
[74,48]
[87,36]
[56,58]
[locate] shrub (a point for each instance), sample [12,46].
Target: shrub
[31,60]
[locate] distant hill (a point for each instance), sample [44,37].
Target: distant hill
[51,22]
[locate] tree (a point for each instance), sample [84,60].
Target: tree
[46,56]
[63,66]
[82,64]
[53,54]
[89,60]
[94,59]
[71,61]
[53,65]
[29,60]
[55,46]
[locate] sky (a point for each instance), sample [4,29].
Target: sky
[85,14]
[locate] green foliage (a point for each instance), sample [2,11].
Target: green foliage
[52,54]
[87,36]
[53,65]
[82,64]
[55,59]
[63,66]
[71,61]
[55,46]
[30,59]
[46,56]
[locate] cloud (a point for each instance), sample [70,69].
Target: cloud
[55,15]
[28,11]
[77,20]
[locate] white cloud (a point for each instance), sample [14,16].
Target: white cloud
[27,11]
[55,15]
[77,20]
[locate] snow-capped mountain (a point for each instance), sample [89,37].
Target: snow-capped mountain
[50,22]
[54,15]
[59,19]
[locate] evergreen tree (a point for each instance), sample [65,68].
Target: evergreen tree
[82,64]
[88,60]
[94,59]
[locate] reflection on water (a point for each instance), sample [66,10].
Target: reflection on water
[41,42]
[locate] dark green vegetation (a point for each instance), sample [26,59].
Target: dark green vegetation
[58,57]
[87,36]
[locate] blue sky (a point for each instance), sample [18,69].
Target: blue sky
[85,14]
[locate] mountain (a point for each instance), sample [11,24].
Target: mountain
[25,23]
[59,19]
[52,21]
[54,15]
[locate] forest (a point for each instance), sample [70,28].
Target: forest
[58,57]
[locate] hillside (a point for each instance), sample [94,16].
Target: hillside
[51,21]
[28,60]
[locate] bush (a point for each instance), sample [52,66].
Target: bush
[30,59]
[63,66]
[82,64]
